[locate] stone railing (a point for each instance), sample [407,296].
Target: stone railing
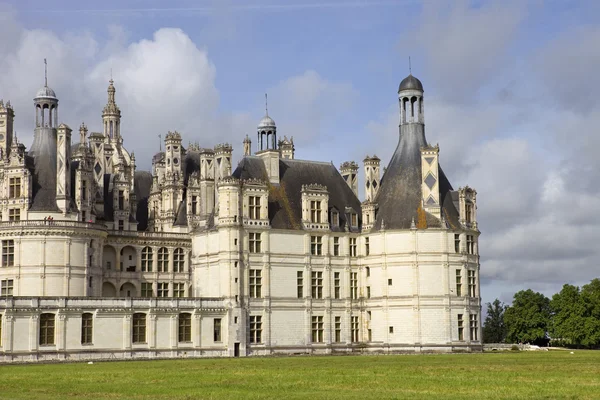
[151,235]
[50,224]
[7,303]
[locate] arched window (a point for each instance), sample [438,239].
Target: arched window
[147,259]
[178,260]
[163,259]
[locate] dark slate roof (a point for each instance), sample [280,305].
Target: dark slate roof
[285,199]
[410,83]
[43,151]
[108,198]
[399,195]
[142,183]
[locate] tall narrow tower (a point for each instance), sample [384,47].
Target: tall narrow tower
[7,116]
[111,117]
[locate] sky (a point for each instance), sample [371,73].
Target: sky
[510,96]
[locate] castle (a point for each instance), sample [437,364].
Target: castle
[100,260]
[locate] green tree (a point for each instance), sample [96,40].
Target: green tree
[527,319]
[590,297]
[569,316]
[494,330]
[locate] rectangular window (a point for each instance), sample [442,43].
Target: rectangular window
[315,211]
[194,205]
[185,327]
[474,327]
[121,200]
[354,219]
[389,282]
[255,280]
[217,329]
[8,253]
[457,243]
[163,259]
[14,188]
[354,328]
[254,242]
[179,290]
[369,335]
[178,260]
[354,285]
[121,225]
[6,287]
[336,285]
[367,248]
[471,282]
[300,284]
[163,289]
[338,329]
[368,292]
[461,328]
[335,219]
[368,271]
[458,282]
[352,247]
[317,285]
[255,329]
[147,289]
[336,246]
[14,214]
[83,216]
[391,329]
[470,244]
[0,330]
[138,327]
[316,245]
[146,259]
[317,329]
[468,212]
[83,190]
[254,207]
[47,329]
[87,326]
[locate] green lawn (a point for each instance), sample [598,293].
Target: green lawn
[524,375]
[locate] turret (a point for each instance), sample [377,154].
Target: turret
[410,99]
[349,171]
[111,117]
[286,148]
[63,168]
[247,146]
[372,177]
[7,116]
[267,146]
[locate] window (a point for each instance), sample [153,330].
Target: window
[83,216]
[457,243]
[217,329]
[315,211]
[14,214]
[389,282]
[6,288]
[194,205]
[316,245]
[471,282]
[254,207]
[178,290]
[255,280]
[138,328]
[468,212]
[354,328]
[352,247]
[367,249]
[336,246]
[368,292]
[474,327]
[461,328]
[0,330]
[338,329]
[121,200]
[46,329]
[87,321]
[14,188]
[185,327]
[368,271]
[335,219]
[178,260]
[255,329]
[108,265]
[391,329]
[336,285]
[369,335]
[317,329]
[354,285]
[8,253]
[470,244]
[458,283]
[163,259]
[300,284]
[254,242]
[147,259]
[121,225]
[147,289]
[317,285]
[354,219]
[83,190]
[163,289]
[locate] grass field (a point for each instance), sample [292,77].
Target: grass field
[519,375]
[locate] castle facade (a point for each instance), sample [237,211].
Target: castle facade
[195,258]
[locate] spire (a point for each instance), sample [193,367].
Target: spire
[409,66]
[266,106]
[45,73]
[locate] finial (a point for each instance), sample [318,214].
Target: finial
[266,106]
[409,66]
[159,142]
[45,73]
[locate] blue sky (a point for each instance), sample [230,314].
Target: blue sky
[510,95]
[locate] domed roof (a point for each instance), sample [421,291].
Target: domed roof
[45,92]
[266,122]
[410,83]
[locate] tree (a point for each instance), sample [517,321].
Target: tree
[494,330]
[590,297]
[569,316]
[527,319]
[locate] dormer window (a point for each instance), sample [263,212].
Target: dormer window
[315,211]
[335,218]
[254,207]
[353,219]
[468,212]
